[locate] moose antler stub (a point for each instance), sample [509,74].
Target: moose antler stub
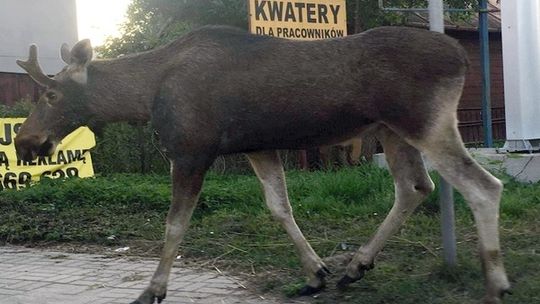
[31,66]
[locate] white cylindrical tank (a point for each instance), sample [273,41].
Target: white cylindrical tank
[521,59]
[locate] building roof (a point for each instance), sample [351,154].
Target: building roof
[421,19]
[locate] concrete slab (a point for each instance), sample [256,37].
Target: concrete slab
[524,167]
[29,276]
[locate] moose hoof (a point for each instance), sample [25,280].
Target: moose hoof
[323,272]
[309,290]
[346,280]
[149,297]
[496,300]
[506,291]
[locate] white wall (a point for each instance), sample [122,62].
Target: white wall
[521,58]
[47,23]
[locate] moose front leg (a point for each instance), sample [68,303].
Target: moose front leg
[187,179]
[267,166]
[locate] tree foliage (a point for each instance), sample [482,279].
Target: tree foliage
[151,23]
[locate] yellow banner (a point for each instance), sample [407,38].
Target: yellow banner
[298,19]
[71,159]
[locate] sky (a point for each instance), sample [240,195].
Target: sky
[98,19]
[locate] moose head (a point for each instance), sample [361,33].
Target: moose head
[61,108]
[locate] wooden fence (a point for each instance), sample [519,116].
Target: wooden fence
[15,86]
[470,124]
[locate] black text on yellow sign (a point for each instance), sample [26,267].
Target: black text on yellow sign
[298,19]
[71,159]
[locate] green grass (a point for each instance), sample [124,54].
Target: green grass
[334,209]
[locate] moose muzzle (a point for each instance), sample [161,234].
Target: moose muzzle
[32,146]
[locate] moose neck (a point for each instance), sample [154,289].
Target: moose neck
[123,89]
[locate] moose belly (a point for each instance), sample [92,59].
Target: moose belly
[299,132]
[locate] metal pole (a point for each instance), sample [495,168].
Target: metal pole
[446,201]
[486,81]
[446,193]
[436,16]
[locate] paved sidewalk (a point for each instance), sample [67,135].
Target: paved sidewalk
[35,276]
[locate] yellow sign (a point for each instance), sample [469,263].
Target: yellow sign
[298,19]
[72,157]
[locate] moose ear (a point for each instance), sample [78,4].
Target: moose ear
[81,53]
[65,53]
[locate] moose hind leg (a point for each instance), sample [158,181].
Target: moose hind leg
[267,166]
[187,179]
[412,185]
[482,192]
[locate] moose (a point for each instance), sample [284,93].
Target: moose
[220,90]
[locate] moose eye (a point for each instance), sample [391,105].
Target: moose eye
[51,95]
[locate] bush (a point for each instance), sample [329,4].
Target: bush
[21,108]
[124,148]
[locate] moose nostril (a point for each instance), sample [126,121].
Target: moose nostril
[26,154]
[45,148]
